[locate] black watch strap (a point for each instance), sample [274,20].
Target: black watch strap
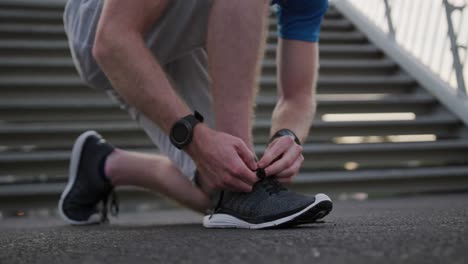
[194,119]
[285,132]
[197,116]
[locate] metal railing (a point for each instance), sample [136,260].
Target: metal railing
[434,31]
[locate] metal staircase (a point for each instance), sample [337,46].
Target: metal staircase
[44,106]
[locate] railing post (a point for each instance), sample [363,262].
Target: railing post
[457,64]
[388,15]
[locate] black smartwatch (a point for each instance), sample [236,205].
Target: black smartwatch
[182,131]
[285,132]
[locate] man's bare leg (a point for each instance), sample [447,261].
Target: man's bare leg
[235,41]
[157,173]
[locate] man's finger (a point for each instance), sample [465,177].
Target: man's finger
[243,173]
[291,171]
[247,156]
[287,160]
[274,151]
[237,185]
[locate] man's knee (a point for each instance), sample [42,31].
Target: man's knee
[86,66]
[84,61]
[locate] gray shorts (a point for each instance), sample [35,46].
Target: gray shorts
[177,40]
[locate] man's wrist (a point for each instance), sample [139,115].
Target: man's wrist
[200,132]
[285,132]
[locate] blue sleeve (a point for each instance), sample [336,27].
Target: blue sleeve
[300,19]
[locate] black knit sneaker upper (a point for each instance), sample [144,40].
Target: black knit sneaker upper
[88,187]
[268,201]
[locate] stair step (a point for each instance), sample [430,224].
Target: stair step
[96,109]
[327,25]
[50,165]
[352,84]
[40,45]
[332,13]
[68,62]
[26,23]
[343,67]
[420,104]
[21,62]
[335,51]
[129,134]
[384,155]
[397,178]
[442,126]
[20,31]
[62,85]
[33,17]
[354,37]
[44,49]
[43,5]
[27,31]
[267,101]
[79,90]
[30,66]
[53,135]
[400,174]
[55,7]
[72,80]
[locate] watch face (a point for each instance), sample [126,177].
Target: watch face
[180,132]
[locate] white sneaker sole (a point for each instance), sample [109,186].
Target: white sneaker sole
[73,171]
[229,221]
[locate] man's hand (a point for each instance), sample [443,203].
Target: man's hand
[282,159]
[224,162]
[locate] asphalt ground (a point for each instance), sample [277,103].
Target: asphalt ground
[412,229]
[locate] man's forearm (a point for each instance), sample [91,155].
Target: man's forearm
[297,77]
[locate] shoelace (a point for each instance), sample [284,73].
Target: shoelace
[114,206]
[272,186]
[218,204]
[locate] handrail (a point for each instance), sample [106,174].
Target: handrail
[435,32]
[426,77]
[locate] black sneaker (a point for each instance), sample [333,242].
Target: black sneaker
[87,186]
[268,205]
